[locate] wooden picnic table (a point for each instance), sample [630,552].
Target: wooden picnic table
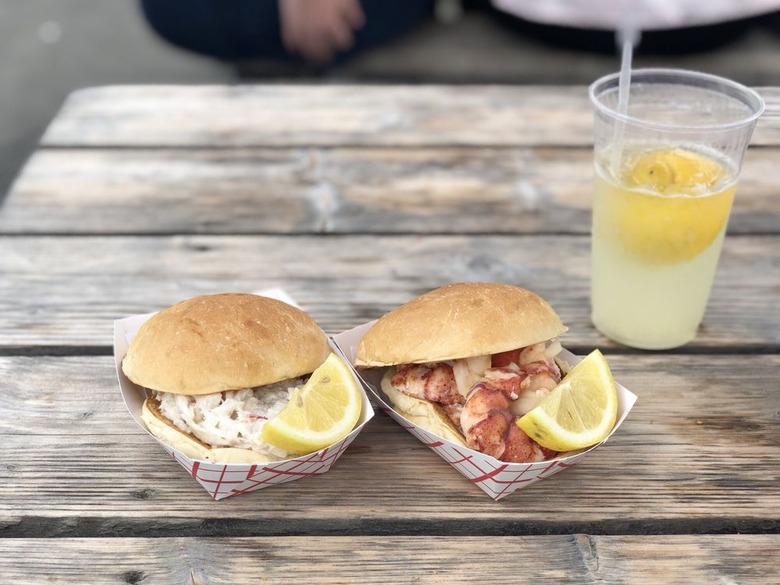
[355,199]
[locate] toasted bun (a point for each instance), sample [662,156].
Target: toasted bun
[457,321]
[192,447]
[224,342]
[424,414]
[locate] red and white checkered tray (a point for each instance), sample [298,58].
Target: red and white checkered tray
[496,478]
[221,480]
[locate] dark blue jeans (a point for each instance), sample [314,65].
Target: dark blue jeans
[247,29]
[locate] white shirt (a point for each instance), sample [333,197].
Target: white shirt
[648,14]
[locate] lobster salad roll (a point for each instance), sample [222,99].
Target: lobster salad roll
[466,360]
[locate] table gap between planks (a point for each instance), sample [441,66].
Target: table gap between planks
[354,199]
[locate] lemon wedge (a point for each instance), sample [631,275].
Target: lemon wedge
[320,414]
[579,412]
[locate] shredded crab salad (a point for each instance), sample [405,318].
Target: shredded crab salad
[230,419]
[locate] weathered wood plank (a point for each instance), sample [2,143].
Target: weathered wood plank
[387,483]
[331,115]
[567,559]
[286,115]
[697,454]
[68,290]
[341,190]
[118,191]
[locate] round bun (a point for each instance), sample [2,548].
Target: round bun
[221,342]
[192,447]
[428,415]
[459,320]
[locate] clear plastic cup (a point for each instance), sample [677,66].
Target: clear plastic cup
[666,172]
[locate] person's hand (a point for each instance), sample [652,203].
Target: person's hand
[318,29]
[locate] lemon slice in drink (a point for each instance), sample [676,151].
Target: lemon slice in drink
[674,204]
[675,172]
[579,412]
[321,413]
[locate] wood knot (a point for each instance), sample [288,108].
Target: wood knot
[133,577]
[144,494]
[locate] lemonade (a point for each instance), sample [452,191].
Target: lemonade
[668,147]
[658,227]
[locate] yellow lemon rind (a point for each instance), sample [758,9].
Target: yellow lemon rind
[545,429]
[289,430]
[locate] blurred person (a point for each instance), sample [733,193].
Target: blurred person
[667,26]
[318,32]
[325,32]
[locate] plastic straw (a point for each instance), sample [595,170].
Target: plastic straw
[628,36]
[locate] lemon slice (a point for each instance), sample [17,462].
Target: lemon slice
[675,172]
[672,206]
[579,412]
[320,414]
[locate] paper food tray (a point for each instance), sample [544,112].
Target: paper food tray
[221,480]
[497,479]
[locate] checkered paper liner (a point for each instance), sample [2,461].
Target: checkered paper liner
[221,480]
[497,479]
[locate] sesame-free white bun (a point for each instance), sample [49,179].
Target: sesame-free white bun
[456,321]
[221,342]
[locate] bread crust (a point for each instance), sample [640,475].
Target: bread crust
[456,321]
[164,429]
[221,342]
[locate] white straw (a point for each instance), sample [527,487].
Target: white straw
[624,83]
[627,38]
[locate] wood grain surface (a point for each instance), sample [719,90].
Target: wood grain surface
[67,291]
[355,199]
[580,559]
[338,115]
[338,190]
[76,464]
